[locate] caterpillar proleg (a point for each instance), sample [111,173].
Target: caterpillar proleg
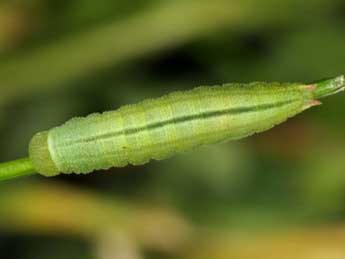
[175,123]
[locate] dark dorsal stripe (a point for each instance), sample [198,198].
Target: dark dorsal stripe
[186,118]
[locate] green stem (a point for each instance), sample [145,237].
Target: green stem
[329,87]
[16,168]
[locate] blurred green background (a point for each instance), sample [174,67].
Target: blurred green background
[280,194]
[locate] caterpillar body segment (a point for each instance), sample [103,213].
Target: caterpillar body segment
[180,121]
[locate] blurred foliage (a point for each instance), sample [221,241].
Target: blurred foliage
[268,196]
[326,242]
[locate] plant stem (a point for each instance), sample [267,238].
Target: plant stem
[16,168]
[328,87]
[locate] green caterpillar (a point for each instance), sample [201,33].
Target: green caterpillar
[177,122]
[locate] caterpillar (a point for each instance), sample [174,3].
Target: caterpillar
[178,122]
